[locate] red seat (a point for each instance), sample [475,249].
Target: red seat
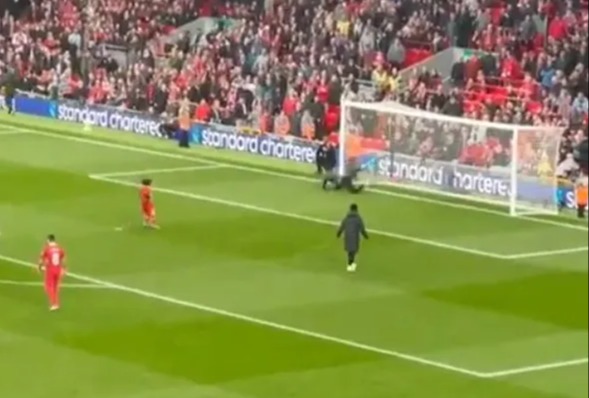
[534,107]
[472,106]
[374,144]
[494,89]
[515,83]
[411,57]
[333,108]
[206,9]
[415,55]
[498,96]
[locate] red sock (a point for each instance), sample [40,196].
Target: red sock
[52,289]
[49,289]
[55,294]
[55,301]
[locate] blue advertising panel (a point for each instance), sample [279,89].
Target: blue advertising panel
[269,145]
[109,117]
[35,106]
[463,179]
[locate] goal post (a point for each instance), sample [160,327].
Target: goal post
[499,164]
[534,164]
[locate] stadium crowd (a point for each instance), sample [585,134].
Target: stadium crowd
[286,69]
[531,79]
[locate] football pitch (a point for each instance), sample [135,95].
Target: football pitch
[243,293]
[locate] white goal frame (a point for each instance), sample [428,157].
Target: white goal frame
[516,208]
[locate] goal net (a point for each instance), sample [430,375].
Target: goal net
[500,164]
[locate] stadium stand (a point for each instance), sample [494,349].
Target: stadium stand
[522,77]
[285,70]
[308,37]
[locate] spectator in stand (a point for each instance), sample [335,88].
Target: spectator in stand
[580,104]
[452,107]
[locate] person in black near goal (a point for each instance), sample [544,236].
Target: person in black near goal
[333,180]
[353,229]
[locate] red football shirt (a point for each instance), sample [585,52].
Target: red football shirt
[146,195]
[53,255]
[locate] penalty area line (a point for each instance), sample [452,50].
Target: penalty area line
[12,132]
[537,368]
[41,284]
[547,253]
[156,171]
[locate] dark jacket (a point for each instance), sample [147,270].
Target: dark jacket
[352,227]
[321,154]
[330,157]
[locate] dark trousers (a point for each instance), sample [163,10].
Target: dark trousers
[330,178]
[581,210]
[9,102]
[169,130]
[348,184]
[183,139]
[320,168]
[341,183]
[352,257]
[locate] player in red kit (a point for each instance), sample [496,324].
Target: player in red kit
[147,205]
[52,263]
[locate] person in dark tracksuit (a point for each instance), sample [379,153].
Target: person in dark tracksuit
[352,228]
[9,91]
[330,157]
[320,157]
[326,158]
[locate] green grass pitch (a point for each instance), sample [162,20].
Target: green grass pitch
[243,293]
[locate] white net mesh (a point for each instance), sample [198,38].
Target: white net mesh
[536,159]
[394,144]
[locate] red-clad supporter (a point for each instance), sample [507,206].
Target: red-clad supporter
[322,89]
[511,69]
[528,87]
[203,111]
[557,28]
[289,105]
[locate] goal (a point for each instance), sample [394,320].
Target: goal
[500,164]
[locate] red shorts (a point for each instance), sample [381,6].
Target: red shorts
[53,276]
[148,210]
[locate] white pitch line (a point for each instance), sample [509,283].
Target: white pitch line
[422,199]
[536,368]
[159,171]
[40,284]
[296,216]
[11,132]
[262,322]
[547,253]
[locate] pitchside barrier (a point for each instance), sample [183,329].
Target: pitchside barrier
[533,194]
